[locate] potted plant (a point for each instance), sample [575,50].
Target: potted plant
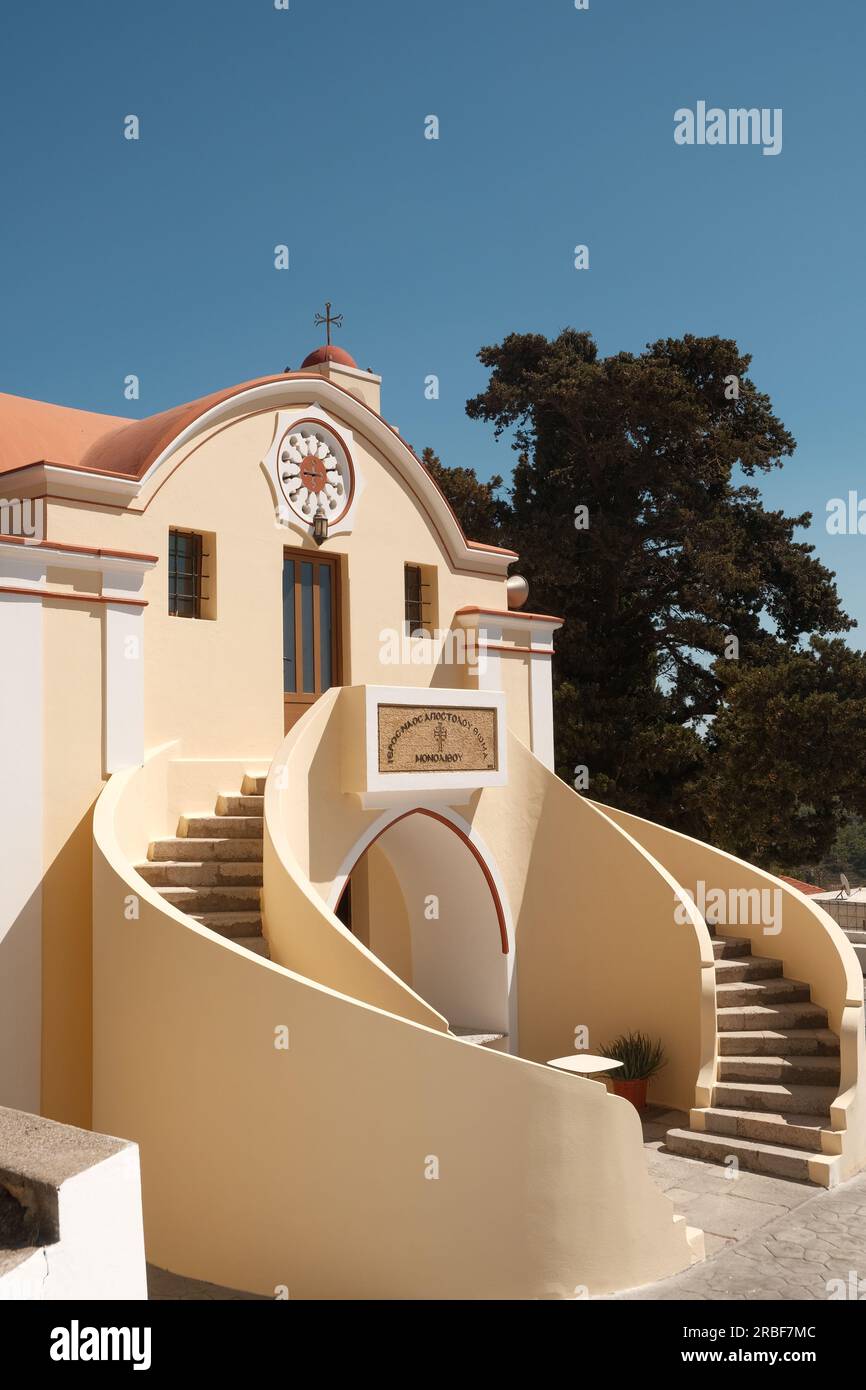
[641,1058]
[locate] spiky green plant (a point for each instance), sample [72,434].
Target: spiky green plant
[641,1056]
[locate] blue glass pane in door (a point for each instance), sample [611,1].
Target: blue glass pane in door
[325,624]
[307,627]
[290,676]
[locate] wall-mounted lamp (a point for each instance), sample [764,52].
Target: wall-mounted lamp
[320,528]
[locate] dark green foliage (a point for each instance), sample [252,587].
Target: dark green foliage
[847,855]
[480,512]
[641,1056]
[785,754]
[679,565]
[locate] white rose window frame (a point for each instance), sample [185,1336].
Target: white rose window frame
[315,472]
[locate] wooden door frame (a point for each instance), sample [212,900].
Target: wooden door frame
[333,563]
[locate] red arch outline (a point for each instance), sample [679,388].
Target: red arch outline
[461,835]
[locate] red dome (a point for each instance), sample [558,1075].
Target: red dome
[329,354]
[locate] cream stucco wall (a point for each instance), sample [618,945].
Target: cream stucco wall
[372,1156]
[212,686]
[514,678]
[458,964]
[585,958]
[309,825]
[379,916]
[218,683]
[598,944]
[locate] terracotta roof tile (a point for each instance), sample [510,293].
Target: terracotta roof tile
[807,888]
[36,432]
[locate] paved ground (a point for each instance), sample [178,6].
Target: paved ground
[163,1285]
[766,1238]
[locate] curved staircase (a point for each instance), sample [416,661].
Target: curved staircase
[778,1074]
[212,868]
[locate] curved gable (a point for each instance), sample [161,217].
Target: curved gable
[139,450]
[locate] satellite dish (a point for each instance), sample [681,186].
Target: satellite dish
[846,887]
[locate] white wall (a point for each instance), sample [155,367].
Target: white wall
[458,964]
[100,1252]
[21,851]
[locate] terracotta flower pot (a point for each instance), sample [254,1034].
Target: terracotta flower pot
[635,1091]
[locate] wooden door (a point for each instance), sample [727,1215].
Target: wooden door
[311,637]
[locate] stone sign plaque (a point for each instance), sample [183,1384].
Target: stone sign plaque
[432,738]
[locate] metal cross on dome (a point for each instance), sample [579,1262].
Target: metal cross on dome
[329,320]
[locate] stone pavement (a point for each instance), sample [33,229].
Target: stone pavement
[163,1285]
[766,1238]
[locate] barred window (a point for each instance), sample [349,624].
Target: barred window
[413,589]
[187,574]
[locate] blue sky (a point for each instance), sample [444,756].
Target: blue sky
[306,127]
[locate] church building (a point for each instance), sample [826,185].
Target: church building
[293,898]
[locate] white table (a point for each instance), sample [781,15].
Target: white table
[584,1064]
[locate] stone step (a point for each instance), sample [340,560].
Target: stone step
[810,1071]
[778,1099]
[214,847]
[729,972]
[791,1131]
[253,784]
[219,899]
[231,924]
[762,992]
[197,873]
[237,827]
[243,805]
[256,944]
[728,947]
[476,1035]
[780,1042]
[772,1159]
[756,1018]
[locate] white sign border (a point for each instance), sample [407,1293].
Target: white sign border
[397,787]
